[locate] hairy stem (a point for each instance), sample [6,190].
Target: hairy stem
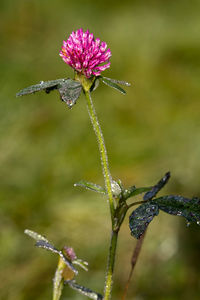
[110,267]
[108,185]
[103,152]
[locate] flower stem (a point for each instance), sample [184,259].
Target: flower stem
[103,153]
[108,185]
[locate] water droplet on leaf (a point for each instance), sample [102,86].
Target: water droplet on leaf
[116,190]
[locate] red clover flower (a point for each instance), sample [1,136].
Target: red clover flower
[85,54]
[88,57]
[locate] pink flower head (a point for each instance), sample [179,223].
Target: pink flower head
[85,54]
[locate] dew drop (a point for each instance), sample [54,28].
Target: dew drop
[41,82]
[116,190]
[198,222]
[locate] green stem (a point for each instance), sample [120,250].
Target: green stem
[110,267]
[136,203]
[108,184]
[58,281]
[103,153]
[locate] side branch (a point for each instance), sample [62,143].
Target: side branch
[134,259]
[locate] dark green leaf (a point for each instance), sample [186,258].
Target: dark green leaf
[43,85]
[36,236]
[122,82]
[68,89]
[141,217]
[180,206]
[133,191]
[43,244]
[156,188]
[91,186]
[83,290]
[112,85]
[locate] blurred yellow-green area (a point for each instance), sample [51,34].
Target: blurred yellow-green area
[45,147]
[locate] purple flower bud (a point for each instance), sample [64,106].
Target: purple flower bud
[69,253]
[85,54]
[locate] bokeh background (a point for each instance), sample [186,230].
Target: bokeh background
[45,147]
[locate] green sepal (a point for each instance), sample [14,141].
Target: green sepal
[180,206]
[95,84]
[91,186]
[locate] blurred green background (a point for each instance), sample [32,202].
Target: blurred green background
[45,147]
